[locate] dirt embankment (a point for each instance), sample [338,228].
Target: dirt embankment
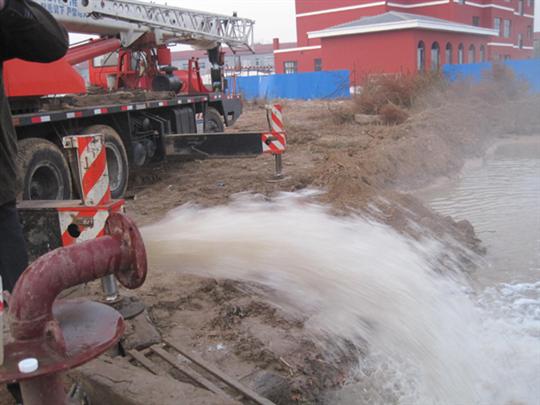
[361,167]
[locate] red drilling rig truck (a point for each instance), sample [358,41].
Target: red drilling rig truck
[145,107]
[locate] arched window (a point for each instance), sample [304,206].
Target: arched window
[482,53]
[435,56]
[460,54]
[472,54]
[421,56]
[448,55]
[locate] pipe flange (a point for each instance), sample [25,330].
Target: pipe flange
[131,272]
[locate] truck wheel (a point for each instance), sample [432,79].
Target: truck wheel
[117,162]
[43,170]
[213,121]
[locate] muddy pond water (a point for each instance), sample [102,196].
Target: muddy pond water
[500,196]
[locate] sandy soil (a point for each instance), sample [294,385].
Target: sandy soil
[357,166]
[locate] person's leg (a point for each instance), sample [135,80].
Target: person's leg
[13,254]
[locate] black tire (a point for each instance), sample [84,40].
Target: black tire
[117,162]
[213,121]
[43,171]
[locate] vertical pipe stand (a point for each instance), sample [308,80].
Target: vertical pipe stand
[110,289]
[278,166]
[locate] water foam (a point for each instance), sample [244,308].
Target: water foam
[430,338]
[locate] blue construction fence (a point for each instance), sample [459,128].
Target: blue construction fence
[528,70]
[299,86]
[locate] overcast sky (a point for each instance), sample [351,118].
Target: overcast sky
[274,18]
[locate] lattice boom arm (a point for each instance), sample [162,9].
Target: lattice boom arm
[174,24]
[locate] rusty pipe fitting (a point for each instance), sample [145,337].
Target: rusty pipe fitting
[120,252]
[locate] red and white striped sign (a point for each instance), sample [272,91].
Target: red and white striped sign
[78,224]
[276,118]
[272,144]
[93,173]
[276,141]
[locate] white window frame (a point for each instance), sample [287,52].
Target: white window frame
[421,56]
[507,28]
[497,25]
[448,57]
[290,67]
[471,54]
[435,51]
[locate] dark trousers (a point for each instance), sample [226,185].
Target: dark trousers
[13,254]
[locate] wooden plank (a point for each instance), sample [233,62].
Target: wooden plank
[189,372]
[145,362]
[248,393]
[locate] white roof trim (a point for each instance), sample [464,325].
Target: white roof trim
[507,45]
[303,48]
[401,25]
[500,44]
[337,10]
[399,5]
[415,5]
[497,6]
[470,3]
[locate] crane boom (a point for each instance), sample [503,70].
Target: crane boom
[175,24]
[67,13]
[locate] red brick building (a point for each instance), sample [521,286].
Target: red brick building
[372,37]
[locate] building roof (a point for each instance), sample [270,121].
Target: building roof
[395,20]
[260,49]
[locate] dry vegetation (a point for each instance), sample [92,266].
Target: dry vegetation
[395,97]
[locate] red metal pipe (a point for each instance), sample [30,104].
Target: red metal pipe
[121,252]
[97,47]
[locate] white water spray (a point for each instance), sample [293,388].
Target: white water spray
[430,339]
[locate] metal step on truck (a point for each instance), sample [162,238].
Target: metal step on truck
[145,108]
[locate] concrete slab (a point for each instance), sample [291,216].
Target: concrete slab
[117,382]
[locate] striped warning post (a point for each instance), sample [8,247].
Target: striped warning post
[78,224]
[276,141]
[276,118]
[272,143]
[92,162]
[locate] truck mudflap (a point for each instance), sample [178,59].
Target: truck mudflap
[232,109]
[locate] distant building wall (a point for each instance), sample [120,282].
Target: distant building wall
[515,20]
[371,54]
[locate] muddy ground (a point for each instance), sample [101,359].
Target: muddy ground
[358,167]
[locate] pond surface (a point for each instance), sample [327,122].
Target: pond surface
[500,196]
